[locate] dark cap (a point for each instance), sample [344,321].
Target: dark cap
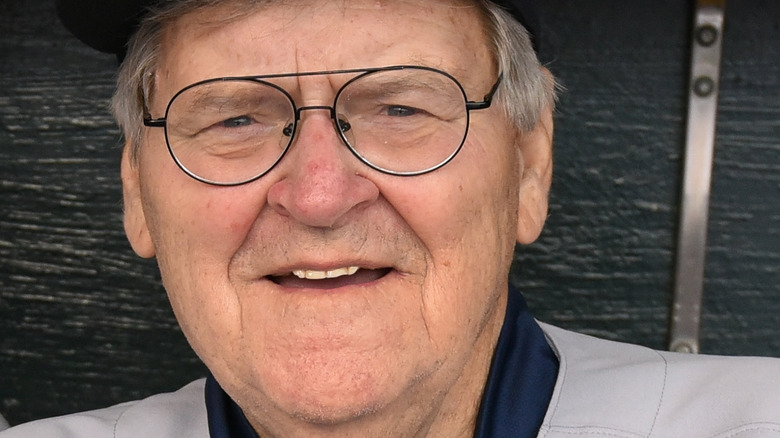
[527,13]
[108,25]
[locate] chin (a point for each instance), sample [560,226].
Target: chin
[321,388]
[337,393]
[332,405]
[334,413]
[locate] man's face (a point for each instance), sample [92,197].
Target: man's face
[422,313]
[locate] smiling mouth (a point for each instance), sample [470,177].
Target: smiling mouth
[329,279]
[321,275]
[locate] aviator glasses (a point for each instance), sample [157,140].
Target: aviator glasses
[400,120]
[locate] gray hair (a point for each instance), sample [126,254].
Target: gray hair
[524,92]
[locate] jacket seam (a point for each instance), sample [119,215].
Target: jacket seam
[589,430]
[119,418]
[661,397]
[562,373]
[749,427]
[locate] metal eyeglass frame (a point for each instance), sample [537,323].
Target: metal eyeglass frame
[339,125]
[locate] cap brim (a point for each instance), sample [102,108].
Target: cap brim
[108,25]
[103,25]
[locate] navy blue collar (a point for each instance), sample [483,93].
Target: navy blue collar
[522,377]
[519,388]
[226,419]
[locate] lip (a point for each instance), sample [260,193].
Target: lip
[363,277]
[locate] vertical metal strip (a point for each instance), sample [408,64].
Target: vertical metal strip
[699,151]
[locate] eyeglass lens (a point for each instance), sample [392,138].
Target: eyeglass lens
[402,121]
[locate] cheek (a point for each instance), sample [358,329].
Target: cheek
[188,215]
[205,226]
[462,208]
[197,235]
[196,230]
[466,221]
[225,215]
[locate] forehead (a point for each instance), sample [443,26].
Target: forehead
[309,35]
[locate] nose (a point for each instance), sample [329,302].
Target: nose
[320,181]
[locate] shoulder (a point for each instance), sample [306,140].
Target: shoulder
[614,389]
[175,414]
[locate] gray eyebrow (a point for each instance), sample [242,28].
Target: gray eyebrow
[227,99]
[399,85]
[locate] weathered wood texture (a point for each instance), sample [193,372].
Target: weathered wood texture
[604,264]
[84,323]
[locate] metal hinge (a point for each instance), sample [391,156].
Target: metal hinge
[697,177]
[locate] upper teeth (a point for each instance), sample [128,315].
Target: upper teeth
[319,275]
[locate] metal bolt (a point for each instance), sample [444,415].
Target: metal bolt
[706,35]
[683,349]
[703,86]
[685,346]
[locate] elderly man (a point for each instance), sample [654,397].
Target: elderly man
[333,192]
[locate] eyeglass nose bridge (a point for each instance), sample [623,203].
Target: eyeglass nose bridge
[341,126]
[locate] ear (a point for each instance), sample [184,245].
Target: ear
[136,228]
[537,152]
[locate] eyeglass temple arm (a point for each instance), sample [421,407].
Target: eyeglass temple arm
[148,120]
[154,123]
[487,100]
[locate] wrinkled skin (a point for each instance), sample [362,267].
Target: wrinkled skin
[403,346]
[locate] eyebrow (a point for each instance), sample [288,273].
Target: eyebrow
[222,101]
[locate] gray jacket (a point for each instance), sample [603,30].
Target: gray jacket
[604,389]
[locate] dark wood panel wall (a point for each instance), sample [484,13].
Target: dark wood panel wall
[84,323]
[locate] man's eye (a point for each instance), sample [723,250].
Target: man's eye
[401,111]
[236,122]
